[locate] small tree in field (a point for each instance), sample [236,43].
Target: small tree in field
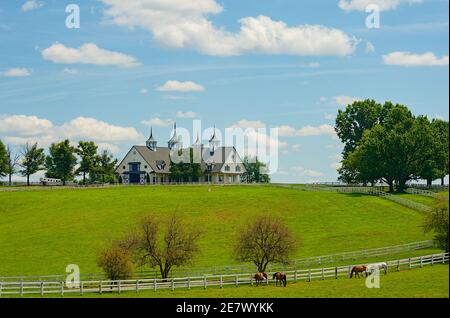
[437,221]
[264,241]
[176,247]
[116,262]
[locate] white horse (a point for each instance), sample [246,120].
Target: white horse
[377,266]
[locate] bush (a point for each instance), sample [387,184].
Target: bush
[116,262]
[437,221]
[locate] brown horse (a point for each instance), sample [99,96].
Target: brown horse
[358,269]
[281,277]
[259,277]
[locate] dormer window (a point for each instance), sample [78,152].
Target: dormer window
[227,168]
[238,169]
[160,164]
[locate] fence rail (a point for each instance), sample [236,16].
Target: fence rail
[232,270]
[376,191]
[109,286]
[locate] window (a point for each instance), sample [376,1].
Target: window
[145,166]
[123,167]
[238,168]
[227,168]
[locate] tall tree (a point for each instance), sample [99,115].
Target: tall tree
[352,122]
[33,159]
[61,161]
[441,133]
[176,247]
[104,166]
[3,160]
[11,164]
[87,151]
[265,240]
[255,171]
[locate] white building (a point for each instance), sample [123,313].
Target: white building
[151,164]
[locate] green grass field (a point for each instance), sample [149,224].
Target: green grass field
[427,282]
[41,231]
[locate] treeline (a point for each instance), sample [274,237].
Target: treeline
[63,161]
[386,142]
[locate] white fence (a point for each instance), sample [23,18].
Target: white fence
[235,269]
[377,191]
[108,286]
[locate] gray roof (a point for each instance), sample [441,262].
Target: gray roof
[158,160]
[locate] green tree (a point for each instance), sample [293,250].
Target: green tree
[352,122]
[3,160]
[87,151]
[61,161]
[255,171]
[33,159]
[437,221]
[441,131]
[104,166]
[12,162]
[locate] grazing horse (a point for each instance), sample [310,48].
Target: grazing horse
[358,269]
[259,277]
[280,277]
[377,266]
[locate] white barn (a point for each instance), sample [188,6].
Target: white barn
[151,164]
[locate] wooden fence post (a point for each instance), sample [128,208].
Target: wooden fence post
[443,258]
[100,287]
[323,275]
[309,275]
[42,288]
[237,282]
[137,285]
[204,282]
[118,286]
[154,284]
[189,283]
[81,288]
[398,265]
[409,263]
[221,281]
[62,288]
[336,272]
[172,285]
[421,262]
[295,276]
[21,288]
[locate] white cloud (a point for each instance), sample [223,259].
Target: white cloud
[24,125]
[316,131]
[245,124]
[330,116]
[20,129]
[300,171]
[158,122]
[286,131]
[16,72]
[143,91]
[336,165]
[384,5]
[185,24]
[70,71]
[345,100]
[296,147]
[188,114]
[31,5]
[370,48]
[177,86]
[88,53]
[410,59]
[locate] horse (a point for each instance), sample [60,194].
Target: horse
[259,277]
[377,266]
[358,269]
[280,277]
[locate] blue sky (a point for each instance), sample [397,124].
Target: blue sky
[250,62]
